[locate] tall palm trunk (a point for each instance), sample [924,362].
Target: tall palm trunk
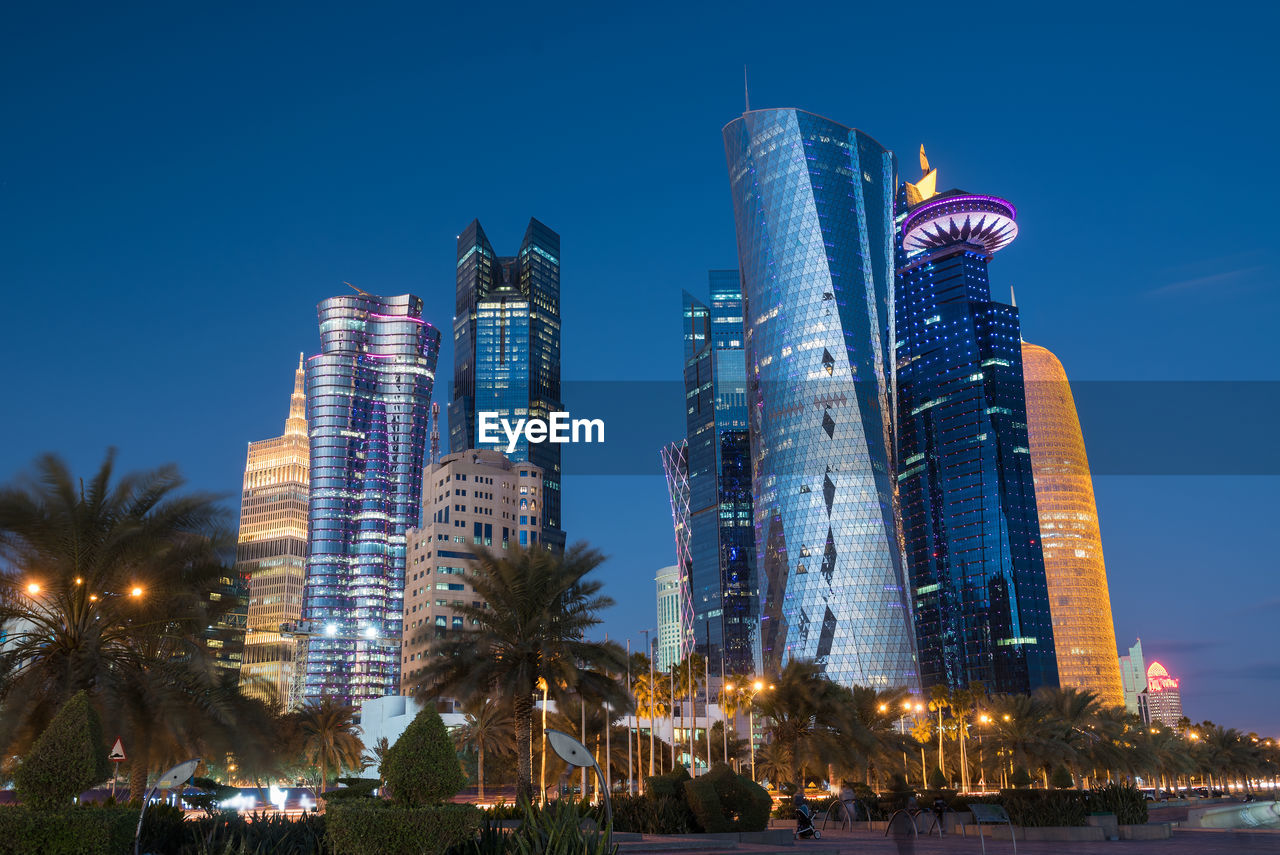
[480,767]
[523,710]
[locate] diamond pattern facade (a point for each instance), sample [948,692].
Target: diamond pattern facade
[813,204]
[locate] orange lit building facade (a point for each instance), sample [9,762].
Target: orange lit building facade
[272,552]
[1079,600]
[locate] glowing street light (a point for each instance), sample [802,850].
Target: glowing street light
[33,589]
[136,592]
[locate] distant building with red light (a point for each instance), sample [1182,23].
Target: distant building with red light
[1162,701]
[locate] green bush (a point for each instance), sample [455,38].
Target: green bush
[67,759]
[668,784]
[557,830]
[1039,808]
[1061,778]
[353,828]
[653,815]
[230,832]
[1020,778]
[937,780]
[422,767]
[1124,800]
[353,789]
[728,801]
[71,831]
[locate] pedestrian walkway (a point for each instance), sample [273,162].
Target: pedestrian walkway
[838,842]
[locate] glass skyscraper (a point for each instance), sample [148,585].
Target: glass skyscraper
[506,350]
[722,584]
[368,408]
[970,530]
[813,204]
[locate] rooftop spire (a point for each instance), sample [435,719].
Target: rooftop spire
[297,422]
[927,187]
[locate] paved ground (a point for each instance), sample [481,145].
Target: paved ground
[1186,842]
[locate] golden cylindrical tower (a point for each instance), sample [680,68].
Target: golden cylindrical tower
[1077,577]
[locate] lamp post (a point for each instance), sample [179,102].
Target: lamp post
[982,773]
[648,652]
[750,691]
[542,776]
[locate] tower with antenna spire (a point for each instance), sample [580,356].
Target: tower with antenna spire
[966,496]
[271,552]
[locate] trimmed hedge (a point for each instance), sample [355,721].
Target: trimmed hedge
[1124,800]
[723,800]
[73,831]
[358,829]
[668,784]
[1038,808]
[653,815]
[422,768]
[68,758]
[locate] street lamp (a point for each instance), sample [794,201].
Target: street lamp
[982,773]
[750,691]
[33,589]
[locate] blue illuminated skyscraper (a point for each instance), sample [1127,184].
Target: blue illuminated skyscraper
[368,411]
[506,350]
[970,528]
[722,591]
[813,203]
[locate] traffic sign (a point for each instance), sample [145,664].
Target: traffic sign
[117,752]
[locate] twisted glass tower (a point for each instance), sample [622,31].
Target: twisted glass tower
[813,204]
[368,409]
[971,534]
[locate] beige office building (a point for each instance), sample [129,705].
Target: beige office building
[471,499]
[272,552]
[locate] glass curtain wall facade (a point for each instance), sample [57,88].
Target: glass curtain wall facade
[368,408]
[722,581]
[1079,598]
[272,551]
[506,349]
[813,205]
[675,466]
[970,530]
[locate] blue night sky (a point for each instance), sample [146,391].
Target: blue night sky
[180,184]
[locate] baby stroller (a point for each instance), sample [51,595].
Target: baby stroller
[804,822]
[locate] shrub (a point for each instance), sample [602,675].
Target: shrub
[67,759]
[1020,778]
[742,804]
[937,780]
[353,789]
[1040,808]
[353,828]
[70,831]
[1061,778]
[1124,800]
[422,767]
[557,830]
[230,832]
[653,815]
[668,784]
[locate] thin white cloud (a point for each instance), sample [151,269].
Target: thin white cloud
[1201,283]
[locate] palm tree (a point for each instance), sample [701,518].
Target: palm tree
[940,700]
[801,707]
[330,737]
[489,729]
[652,701]
[538,608]
[107,587]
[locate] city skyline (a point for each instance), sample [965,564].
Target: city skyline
[269,199]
